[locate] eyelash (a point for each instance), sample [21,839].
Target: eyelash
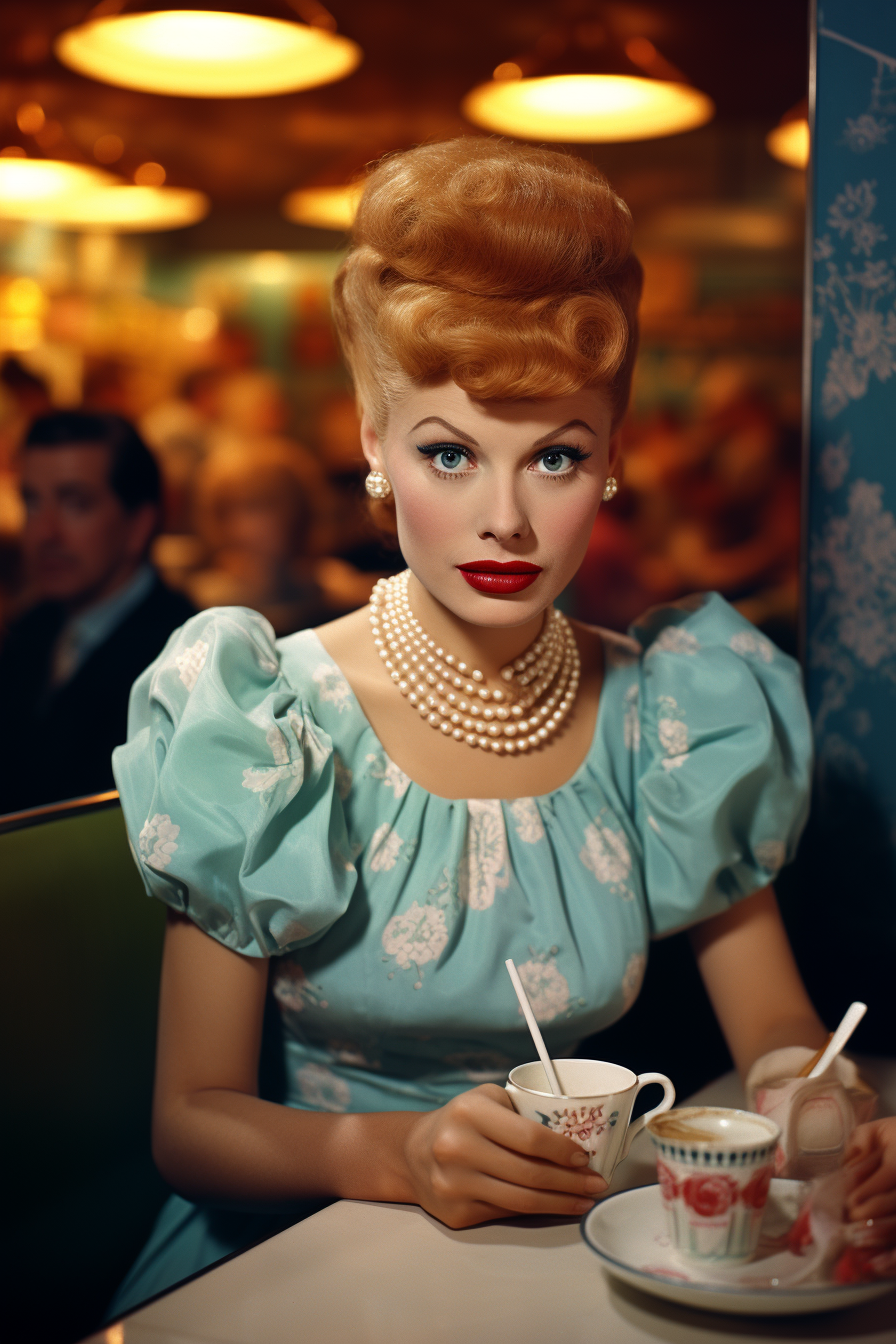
[432,450]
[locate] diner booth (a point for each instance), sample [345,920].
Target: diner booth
[230,291]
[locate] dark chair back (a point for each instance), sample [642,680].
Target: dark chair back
[80,956]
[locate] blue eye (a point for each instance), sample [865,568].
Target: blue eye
[554,461]
[449,459]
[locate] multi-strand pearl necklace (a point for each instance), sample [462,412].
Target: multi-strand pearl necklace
[453,697]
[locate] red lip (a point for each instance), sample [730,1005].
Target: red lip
[500,567]
[499,577]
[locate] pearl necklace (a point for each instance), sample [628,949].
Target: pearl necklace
[453,697]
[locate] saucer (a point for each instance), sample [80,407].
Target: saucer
[628,1232]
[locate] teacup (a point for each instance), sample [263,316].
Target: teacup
[816,1116]
[714,1167]
[595,1109]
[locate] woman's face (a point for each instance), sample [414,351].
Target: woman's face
[516,483]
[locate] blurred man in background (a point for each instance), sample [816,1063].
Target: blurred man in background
[92,497]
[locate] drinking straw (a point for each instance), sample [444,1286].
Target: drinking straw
[533,1027]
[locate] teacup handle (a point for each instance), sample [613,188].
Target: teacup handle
[666,1104]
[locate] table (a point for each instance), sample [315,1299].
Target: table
[369,1273]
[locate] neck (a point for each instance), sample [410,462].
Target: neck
[486,647]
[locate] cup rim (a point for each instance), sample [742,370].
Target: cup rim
[703,1145]
[572,1096]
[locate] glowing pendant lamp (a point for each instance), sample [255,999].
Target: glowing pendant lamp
[126,209]
[789,141]
[584,86]
[29,188]
[207,53]
[324,207]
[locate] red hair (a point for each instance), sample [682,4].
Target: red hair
[506,268]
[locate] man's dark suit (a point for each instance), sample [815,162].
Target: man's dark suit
[57,744]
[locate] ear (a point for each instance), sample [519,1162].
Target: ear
[370,444]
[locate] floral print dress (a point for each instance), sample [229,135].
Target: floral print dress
[260,802]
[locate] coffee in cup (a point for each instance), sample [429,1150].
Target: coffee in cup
[715,1167]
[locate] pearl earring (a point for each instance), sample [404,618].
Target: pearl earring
[610,489]
[377,485]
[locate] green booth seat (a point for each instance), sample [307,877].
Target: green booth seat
[81,956]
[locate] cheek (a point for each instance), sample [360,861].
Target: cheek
[424,522]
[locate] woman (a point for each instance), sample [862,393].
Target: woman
[373,816]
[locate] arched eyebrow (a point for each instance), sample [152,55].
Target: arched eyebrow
[437,420]
[468,438]
[570,424]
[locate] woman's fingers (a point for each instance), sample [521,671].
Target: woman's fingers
[513,1168]
[503,1126]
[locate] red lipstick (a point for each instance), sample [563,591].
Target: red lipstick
[499,578]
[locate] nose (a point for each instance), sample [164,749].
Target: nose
[503,516]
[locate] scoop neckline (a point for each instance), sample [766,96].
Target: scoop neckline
[580,769]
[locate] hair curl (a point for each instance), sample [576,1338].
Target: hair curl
[506,268]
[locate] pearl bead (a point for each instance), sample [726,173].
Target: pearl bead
[413,697]
[470,739]
[543,734]
[458,735]
[510,747]
[451,698]
[469,724]
[463,706]
[494,730]
[455,717]
[462,668]
[396,676]
[496,746]
[475,709]
[488,713]
[510,730]
[403,687]
[433,719]
[446,728]
[431,678]
[450,659]
[503,712]
[476,674]
[482,741]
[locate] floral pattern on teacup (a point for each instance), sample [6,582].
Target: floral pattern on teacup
[585,1125]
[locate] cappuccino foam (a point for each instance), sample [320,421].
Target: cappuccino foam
[710,1124]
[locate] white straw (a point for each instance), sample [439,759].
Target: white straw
[533,1027]
[851,1019]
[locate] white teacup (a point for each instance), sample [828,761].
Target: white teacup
[595,1109]
[714,1167]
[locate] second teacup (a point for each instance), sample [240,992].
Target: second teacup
[596,1108]
[715,1167]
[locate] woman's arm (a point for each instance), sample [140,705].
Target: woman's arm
[214,1139]
[753,982]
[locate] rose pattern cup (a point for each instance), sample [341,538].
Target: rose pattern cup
[714,1168]
[596,1112]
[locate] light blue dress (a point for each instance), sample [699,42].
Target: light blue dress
[260,802]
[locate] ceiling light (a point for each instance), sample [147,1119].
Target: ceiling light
[206,53]
[30,187]
[324,207]
[583,85]
[126,209]
[789,141]
[585,109]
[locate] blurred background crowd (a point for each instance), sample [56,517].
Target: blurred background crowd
[214,342]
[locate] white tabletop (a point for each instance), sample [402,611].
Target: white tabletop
[391,1274]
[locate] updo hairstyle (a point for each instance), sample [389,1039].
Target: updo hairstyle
[506,268]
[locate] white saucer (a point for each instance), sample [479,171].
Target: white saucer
[628,1232]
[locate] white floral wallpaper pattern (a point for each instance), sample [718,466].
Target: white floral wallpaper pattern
[851,626]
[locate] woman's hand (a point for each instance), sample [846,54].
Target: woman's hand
[871,1159]
[476,1159]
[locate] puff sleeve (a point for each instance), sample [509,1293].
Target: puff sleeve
[228,790]
[723,760]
